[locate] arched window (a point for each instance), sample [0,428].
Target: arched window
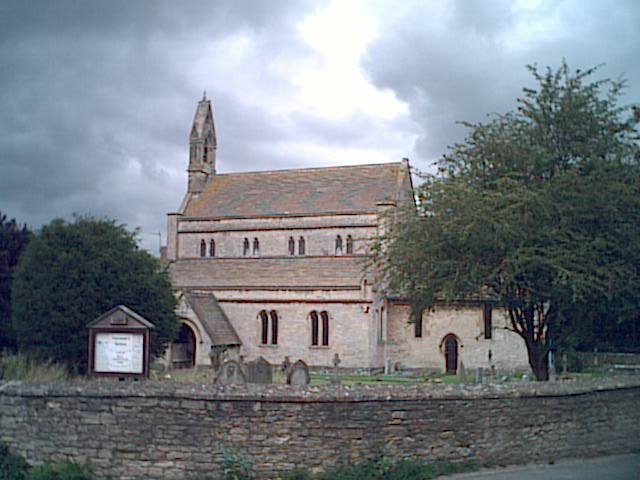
[203,248]
[314,327]
[212,248]
[264,327]
[338,245]
[349,245]
[292,246]
[268,327]
[301,246]
[205,150]
[274,327]
[319,328]
[245,247]
[256,247]
[325,328]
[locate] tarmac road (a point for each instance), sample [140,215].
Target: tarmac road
[619,467]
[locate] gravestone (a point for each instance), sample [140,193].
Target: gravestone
[286,364]
[335,379]
[551,366]
[259,371]
[298,374]
[480,376]
[231,374]
[462,373]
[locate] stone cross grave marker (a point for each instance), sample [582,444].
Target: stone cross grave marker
[286,364]
[335,380]
[298,374]
[231,374]
[259,371]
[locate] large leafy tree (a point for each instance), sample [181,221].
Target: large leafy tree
[13,239]
[538,209]
[70,273]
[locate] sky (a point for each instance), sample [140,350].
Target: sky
[97,97]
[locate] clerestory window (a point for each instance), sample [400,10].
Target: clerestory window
[203,248]
[301,246]
[338,245]
[245,247]
[212,248]
[349,245]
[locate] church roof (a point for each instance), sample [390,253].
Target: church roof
[212,318]
[352,189]
[269,272]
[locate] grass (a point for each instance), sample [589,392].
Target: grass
[20,366]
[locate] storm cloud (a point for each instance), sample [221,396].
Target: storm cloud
[97,98]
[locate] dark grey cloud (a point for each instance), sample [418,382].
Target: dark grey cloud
[97,100]
[468,60]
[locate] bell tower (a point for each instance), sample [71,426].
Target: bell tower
[202,147]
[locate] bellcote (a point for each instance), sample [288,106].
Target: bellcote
[202,147]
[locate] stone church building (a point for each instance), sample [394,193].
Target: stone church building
[273,264]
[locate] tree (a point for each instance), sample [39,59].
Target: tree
[13,239]
[538,210]
[70,273]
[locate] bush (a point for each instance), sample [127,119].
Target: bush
[236,465]
[71,273]
[384,469]
[61,471]
[12,467]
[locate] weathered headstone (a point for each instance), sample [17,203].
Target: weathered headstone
[479,376]
[231,374]
[259,371]
[216,356]
[462,373]
[298,374]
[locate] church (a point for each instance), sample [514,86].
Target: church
[273,264]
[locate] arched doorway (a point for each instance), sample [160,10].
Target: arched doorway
[451,353]
[183,350]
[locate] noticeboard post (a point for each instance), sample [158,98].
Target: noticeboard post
[119,342]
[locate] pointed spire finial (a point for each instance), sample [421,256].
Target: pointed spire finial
[204,96]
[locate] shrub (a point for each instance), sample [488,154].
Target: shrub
[297,474]
[61,471]
[236,465]
[12,467]
[71,273]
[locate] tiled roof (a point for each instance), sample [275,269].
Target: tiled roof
[273,272]
[213,318]
[304,191]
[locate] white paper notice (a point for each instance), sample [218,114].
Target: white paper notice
[119,352]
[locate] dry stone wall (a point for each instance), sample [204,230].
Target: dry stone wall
[151,430]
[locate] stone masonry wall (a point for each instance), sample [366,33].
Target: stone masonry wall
[149,430]
[466,323]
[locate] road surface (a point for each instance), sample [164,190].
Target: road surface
[619,467]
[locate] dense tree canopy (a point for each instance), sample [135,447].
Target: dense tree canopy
[13,239]
[70,273]
[538,209]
